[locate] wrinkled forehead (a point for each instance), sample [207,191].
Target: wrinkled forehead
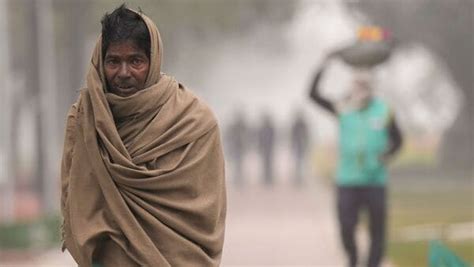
[127,47]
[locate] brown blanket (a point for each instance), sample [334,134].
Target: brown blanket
[142,176]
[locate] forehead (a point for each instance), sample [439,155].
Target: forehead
[124,48]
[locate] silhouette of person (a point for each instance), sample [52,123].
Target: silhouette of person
[238,141]
[266,146]
[299,147]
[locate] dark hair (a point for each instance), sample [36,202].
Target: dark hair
[122,25]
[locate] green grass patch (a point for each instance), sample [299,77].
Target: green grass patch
[416,253]
[419,201]
[437,206]
[43,232]
[441,200]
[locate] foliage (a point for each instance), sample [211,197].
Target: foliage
[40,233]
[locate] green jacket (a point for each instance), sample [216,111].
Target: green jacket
[363,138]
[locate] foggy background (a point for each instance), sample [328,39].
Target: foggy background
[253,63]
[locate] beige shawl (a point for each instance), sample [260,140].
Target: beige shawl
[142,176]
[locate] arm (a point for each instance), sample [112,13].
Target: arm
[315,95]
[396,140]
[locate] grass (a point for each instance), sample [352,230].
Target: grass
[416,253]
[420,194]
[42,232]
[429,200]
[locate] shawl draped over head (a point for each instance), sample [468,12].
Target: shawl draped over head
[142,176]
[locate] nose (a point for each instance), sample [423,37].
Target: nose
[124,72]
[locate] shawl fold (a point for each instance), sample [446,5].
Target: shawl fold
[142,176]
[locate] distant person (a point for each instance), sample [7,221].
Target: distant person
[299,147]
[238,142]
[368,139]
[266,146]
[143,170]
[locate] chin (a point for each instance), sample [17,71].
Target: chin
[127,94]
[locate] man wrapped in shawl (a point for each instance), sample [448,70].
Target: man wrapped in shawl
[142,170]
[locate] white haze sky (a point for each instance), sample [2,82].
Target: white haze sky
[260,79]
[257,80]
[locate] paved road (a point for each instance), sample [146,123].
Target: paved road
[282,226]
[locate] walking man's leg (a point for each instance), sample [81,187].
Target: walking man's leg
[348,209]
[377,217]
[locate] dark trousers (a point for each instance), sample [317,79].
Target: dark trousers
[350,201]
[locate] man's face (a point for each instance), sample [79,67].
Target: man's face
[126,68]
[362,93]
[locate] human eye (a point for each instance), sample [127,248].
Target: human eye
[137,61]
[111,61]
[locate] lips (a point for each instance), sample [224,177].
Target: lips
[125,90]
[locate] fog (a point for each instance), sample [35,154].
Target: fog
[253,60]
